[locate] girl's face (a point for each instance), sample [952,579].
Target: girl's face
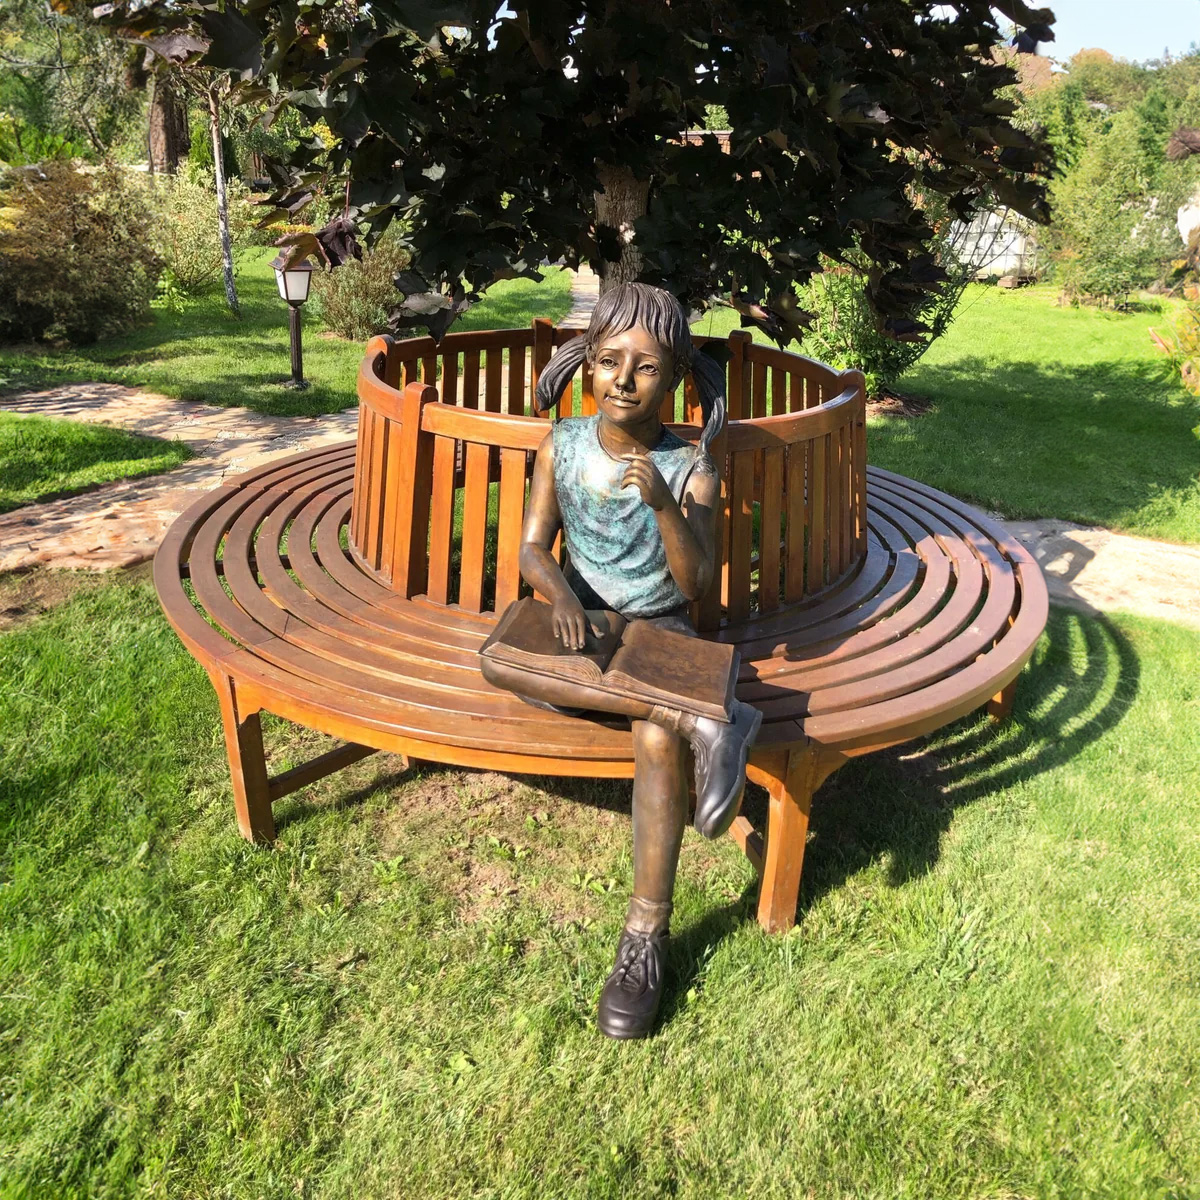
[631,375]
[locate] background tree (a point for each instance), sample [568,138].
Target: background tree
[1112,82]
[552,131]
[1114,222]
[178,57]
[1116,197]
[63,83]
[1062,114]
[169,139]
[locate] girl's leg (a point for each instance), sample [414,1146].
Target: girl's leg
[563,693]
[630,998]
[721,748]
[659,814]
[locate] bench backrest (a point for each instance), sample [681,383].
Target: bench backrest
[445,451]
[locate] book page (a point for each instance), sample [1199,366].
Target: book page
[525,638]
[673,669]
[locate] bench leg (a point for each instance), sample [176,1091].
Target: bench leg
[1000,705]
[247,764]
[787,831]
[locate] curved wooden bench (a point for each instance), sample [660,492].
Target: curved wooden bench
[349,589]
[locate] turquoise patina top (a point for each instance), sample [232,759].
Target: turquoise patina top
[617,557]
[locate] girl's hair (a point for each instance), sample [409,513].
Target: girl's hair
[662,316]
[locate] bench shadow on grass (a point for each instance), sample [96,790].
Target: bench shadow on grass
[897,804]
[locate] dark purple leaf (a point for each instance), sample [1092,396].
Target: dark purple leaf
[339,241]
[236,43]
[1184,143]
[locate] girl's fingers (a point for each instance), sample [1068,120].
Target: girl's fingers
[635,478]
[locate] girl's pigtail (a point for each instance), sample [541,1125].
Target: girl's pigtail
[709,377]
[558,372]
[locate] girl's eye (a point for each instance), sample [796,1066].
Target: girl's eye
[649,369]
[608,363]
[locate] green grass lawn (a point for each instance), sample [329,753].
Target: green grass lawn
[1041,411]
[992,992]
[203,353]
[41,457]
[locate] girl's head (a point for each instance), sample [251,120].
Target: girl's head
[638,305]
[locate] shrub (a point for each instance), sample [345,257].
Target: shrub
[1181,344]
[846,333]
[1114,216]
[75,258]
[21,144]
[354,300]
[200,151]
[186,234]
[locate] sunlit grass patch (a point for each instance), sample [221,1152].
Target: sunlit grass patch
[203,353]
[42,457]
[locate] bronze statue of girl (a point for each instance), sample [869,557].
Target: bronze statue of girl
[637,508]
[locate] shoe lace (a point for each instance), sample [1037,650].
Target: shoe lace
[631,967]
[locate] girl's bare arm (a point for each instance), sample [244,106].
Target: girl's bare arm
[538,566]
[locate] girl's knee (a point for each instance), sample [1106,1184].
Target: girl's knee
[655,741]
[492,672]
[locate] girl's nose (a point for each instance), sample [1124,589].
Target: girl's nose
[625,377]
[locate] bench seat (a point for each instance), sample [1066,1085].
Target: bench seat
[258,577]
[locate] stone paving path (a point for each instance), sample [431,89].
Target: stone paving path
[1096,570]
[585,291]
[122,524]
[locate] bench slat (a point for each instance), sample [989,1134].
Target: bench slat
[493,380]
[515,403]
[741,522]
[817,507]
[770,533]
[758,390]
[508,534]
[470,379]
[779,391]
[474,527]
[441,519]
[796,522]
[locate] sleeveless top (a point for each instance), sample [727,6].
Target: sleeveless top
[617,557]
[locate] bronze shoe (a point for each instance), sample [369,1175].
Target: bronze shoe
[629,1001]
[720,750]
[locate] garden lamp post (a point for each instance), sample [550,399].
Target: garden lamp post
[293,285]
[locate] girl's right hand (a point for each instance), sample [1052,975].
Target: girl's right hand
[570,623]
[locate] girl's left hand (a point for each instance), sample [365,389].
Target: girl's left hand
[647,478]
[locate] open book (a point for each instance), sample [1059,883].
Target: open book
[633,658]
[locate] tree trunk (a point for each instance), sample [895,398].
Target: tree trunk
[214,112]
[623,200]
[169,141]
